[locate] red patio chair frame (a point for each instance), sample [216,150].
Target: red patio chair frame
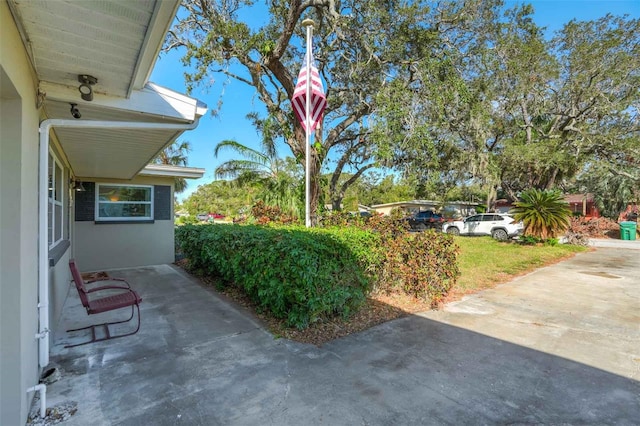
[127,297]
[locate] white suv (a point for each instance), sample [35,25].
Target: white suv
[500,226]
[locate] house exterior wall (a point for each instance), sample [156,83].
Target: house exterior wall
[459,209]
[59,284]
[384,210]
[100,246]
[19,165]
[19,120]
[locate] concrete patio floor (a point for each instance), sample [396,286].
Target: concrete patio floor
[558,346]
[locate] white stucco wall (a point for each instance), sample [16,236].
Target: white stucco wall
[99,246]
[59,284]
[18,225]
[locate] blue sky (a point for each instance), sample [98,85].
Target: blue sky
[239,99]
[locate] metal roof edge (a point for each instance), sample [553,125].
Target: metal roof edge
[166,170]
[163,16]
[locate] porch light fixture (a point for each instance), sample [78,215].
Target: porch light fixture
[75,112]
[86,91]
[76,185]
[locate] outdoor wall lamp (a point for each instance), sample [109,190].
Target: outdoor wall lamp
[86,91]
[77,185]
[75,112]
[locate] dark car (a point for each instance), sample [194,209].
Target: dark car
[423,220]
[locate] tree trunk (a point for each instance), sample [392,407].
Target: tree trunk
[491,198]
[336,203]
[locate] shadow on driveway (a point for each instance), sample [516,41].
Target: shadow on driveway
[507,356]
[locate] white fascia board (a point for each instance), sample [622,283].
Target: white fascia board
[200,107]
[465,203]
[172,171]
[152,99]
[163,16]
[406,203]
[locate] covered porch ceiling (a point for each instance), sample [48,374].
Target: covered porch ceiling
[117,42]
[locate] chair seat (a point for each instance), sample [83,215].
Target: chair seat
[116,301]
[126,297]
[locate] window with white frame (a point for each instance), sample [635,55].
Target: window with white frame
[56,201]
[124,202]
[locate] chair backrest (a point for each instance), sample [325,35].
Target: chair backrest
[77,279]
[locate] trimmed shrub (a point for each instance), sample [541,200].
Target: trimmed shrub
[265,214]
[305,275]
[423,265]
[186,220]
[296,274]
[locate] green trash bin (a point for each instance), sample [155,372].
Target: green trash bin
[628,231]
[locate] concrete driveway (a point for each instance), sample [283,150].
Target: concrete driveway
[558,346]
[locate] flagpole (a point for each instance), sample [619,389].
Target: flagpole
[307,183]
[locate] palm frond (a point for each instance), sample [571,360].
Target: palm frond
[234,168]
[244,151]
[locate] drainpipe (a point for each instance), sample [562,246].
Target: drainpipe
[43,195]
[42,388]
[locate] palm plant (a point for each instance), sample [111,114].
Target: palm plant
[255,164]
[545,214]
[175,155]
[278,188]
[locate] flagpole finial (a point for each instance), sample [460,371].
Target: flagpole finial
[308,22]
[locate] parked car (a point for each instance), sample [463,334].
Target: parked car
[209,216]
[363,214]
[500,226]
[423,220]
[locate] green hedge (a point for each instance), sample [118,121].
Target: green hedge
[294,273]
[303,275]
[423,264]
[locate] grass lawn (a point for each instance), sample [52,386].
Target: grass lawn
[485,262]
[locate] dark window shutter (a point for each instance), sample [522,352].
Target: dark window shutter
[85,208]
[162,202]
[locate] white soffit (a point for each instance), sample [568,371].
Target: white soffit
[116,41]
[111,153]
[120,153]
[152,100]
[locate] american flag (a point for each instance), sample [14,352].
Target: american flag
[318,99]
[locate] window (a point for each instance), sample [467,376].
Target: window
[56,201]
[124,202]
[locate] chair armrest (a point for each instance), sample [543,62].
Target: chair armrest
[109,287]
[108,279]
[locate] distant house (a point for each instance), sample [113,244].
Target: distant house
[502,205]
[582,204]
[80,123]
[451,208]
[406,206]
